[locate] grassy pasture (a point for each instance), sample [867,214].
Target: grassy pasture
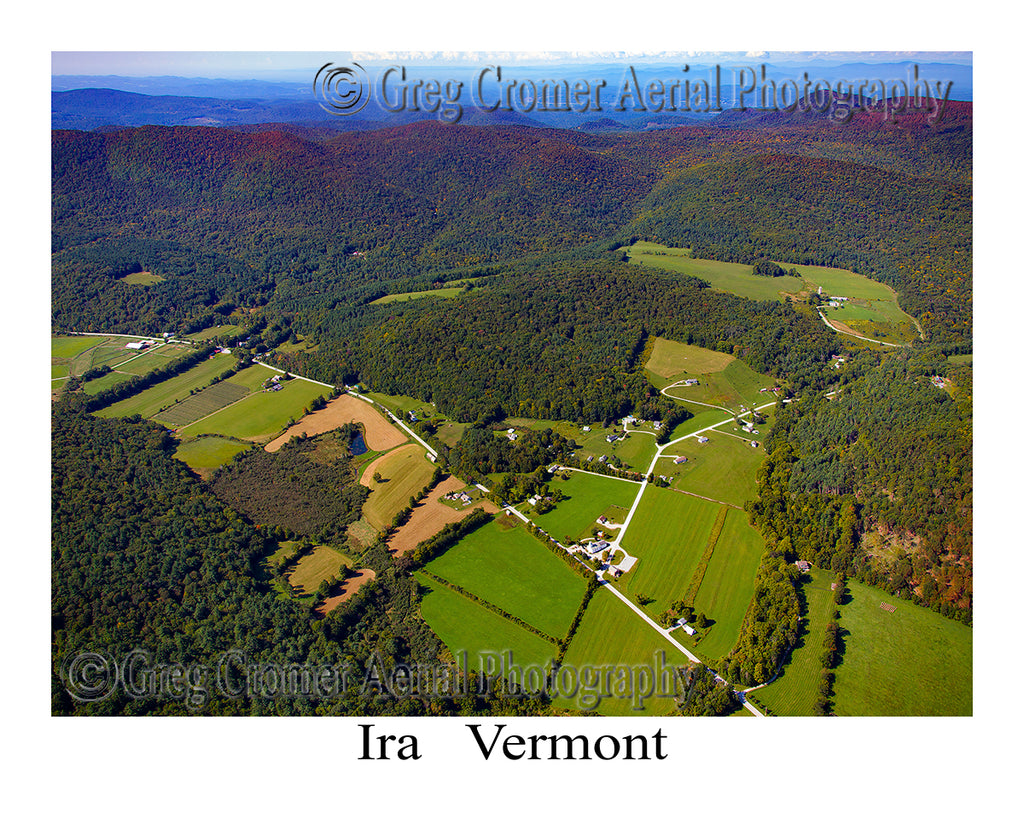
[513,570]
[912,661]
[728,583]
[466,626]
[163,395]
[668,535]
[71,346]
[796,689]
[153,358]
[610,634]
[406,471]
[221,330]
[144,278]
[261,416]
[672,359]
[726,276]
[587,497]
[723,469]
[441,292]
[208,453]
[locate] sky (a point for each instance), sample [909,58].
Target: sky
[285,65]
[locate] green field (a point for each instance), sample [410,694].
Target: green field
[727,276]
[210,452]
[912,661]
[796,689]
[144,278]
[723,469]
[611,634]
[153,358]
[201,404]
[510,568]
[71,346]
[253,378]
[104,382]
[735,387]
[465,626]
[441,292]
[262,416]
[160,396]
[405,474]
[668,534]
[728,583]
[587,497]
[221,330]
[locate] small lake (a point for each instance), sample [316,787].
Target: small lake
[358,445]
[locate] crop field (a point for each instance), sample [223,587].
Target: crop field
[207,453]
[911,661]
[348,589]
[610,634]
[406,471]
[201,404]
[725,276]
[261,416]
[668,535]
[430,516]
[796,689]
[723,469]
[510,568]
[466,626]
[379,433]
[587,497]
[728,583]
[163,395]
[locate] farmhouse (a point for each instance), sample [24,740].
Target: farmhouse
[803,566]
[682,459]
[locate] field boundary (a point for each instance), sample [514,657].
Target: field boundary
[705,558]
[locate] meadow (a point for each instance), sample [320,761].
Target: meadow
[726,276]
[441,293]
[723,469]
[610,634]
[668,534]
[796,689]
[510,568]
[728,583]
[911,661]
[587,497]
[209,452]
[321,564]
[466,626]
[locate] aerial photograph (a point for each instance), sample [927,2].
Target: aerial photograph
[505,384]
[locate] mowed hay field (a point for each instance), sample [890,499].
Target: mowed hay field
[668,535]
[728,583]
[430,516]
[321,564]
[510,568]
[380,435]
[723,469]
[611,634]
[405,471]
[587,497]
[672,359]
[796,689]
[909,662]
[466,626]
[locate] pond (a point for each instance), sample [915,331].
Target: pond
[358,445]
